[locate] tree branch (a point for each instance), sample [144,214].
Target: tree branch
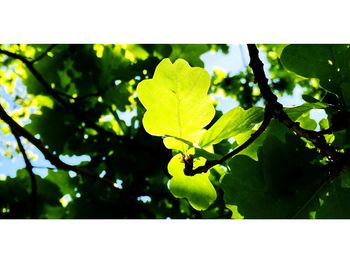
[277,109]
[52,158]
[55,94]
[17,129]
[338,161]
[29,168]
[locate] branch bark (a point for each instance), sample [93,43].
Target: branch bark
[19,130]
[277,109]
[273,109]
[337,161]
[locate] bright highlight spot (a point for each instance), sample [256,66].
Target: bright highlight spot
[65,200]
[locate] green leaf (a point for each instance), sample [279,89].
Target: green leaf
[306,122]
[345,178]
[197,189]
[235,213]
[176,100]
[334,199]
[309,98]
[176,143]
[55,127]
[189,52]
[42,101]
[65,183]
[278,185]
[329,63]
[245,188]
[275,128]
[192,148]
[232,123]
[345,89]
[295,112]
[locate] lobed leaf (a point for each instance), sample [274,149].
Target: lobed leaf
[176,100]
[197,189]
[329,63]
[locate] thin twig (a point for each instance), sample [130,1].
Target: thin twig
[42,55]
[29,168]
[44,167]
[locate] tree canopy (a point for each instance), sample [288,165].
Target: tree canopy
[134,131]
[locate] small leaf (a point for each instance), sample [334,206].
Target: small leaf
[232,123]
[197,189]
[193,149]
[295,112]
[190,52]
[176,100]
[309,98]
[41,101]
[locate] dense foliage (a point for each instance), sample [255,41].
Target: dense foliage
[156,144]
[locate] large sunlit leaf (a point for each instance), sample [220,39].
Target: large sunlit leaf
[176,100]
[233,122]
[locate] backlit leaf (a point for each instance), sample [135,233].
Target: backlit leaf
[176,100]
[197,189]
[234,122]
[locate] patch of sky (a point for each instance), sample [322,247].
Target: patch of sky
[74,159]
[144,199]
[127,115]
[318,115]
[232,63]
[118,184]
[292,100]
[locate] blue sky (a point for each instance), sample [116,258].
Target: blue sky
[232,63]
